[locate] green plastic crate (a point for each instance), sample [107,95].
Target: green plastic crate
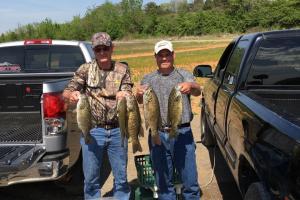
[141,193]
[146,176]
[145,172]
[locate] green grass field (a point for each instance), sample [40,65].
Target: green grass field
[189,53]
[125,48]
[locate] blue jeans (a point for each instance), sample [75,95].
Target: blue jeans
[177,152]
[109,140]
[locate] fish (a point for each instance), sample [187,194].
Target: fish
[84,117]
[152,114]
[134,123]
[122,118]
[174,110]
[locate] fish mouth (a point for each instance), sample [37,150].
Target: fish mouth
[178,87]
[147,95]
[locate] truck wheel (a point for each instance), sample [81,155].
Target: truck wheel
[207,137]
[257,191]
[73,181]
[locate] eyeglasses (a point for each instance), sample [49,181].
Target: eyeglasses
[99,49]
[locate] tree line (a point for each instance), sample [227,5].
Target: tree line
[132,19]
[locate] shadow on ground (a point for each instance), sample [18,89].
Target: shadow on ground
[224,178]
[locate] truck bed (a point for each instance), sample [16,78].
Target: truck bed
[286,103]
[20,127]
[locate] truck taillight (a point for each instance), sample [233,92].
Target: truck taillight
[38,41]
[54,113]
[53,105]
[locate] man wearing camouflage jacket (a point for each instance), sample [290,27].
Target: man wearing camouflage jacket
[103,81]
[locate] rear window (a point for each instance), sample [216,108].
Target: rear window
[90,49]
[277,62]
[40,58]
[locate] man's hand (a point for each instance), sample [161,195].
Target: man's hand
[122,94]
[190,88]
[140,90]
[74,97]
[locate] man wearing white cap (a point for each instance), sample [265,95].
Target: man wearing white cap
[179,152]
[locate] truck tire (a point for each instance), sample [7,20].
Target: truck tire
[72,182]
[257,191]
[207,137]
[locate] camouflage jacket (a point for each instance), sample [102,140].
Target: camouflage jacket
[101,87]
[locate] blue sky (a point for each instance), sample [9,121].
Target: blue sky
[14,13]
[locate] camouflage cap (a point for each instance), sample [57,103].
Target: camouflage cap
[101,38]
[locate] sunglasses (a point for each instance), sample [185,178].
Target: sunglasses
[99,49]
[164,54]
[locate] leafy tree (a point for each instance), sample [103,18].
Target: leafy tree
[150,21]
[106,17]
[187,23]
[208,5]
[183,7]
[169,19]
[132,15]
[152,9]
[167,25]
[46,29]
[197,5]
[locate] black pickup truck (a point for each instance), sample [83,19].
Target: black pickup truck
[251,110]
[39,137]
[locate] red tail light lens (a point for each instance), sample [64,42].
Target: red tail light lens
[53,105]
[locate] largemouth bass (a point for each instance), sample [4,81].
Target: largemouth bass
[152,114]
[134,123]
[122,118]
[84,117]
[174,110]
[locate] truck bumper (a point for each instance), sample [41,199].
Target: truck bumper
[48,168]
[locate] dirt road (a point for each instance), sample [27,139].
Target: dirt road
[220,186]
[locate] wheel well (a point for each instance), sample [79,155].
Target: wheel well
[246,175]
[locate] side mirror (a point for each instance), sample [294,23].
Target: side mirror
[203,71]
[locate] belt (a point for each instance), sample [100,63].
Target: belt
[168,128]
[107,126]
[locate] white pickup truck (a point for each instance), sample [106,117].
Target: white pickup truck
[39,137]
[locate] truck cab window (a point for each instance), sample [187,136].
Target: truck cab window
[233,65]
[36,59]
[65,58]
[11,57]
[277,63]
[223,60]
[90,49]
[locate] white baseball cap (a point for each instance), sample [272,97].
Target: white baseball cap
[163,44]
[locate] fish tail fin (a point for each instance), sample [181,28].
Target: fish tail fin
[156,139]
[122,141]
[141,133]
[88,139]
[172,133]
[136,146]
[126,134]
